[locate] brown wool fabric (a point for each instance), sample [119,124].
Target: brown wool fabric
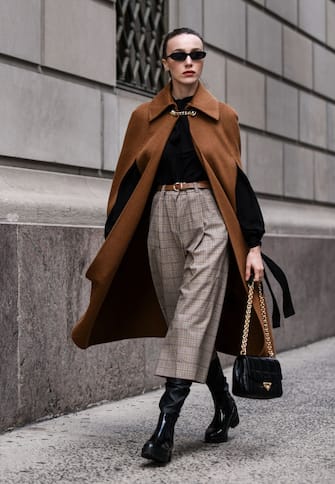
[187,246]
[123,302]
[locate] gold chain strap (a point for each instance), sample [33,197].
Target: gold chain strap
[265,320]
[248,317]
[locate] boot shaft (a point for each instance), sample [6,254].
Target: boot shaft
[216,381]
[164,431]
[176,391]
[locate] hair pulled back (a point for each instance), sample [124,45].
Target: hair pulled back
[174,33]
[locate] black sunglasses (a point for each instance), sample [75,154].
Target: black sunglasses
[181,56]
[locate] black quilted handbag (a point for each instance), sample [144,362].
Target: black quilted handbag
[256,376]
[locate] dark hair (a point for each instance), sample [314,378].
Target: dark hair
[174,33]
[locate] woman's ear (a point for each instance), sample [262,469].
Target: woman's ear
[165,65]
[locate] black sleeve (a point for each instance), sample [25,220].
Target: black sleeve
[127,187]
[248,211]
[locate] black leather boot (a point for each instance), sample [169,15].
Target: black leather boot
[159,446]
[226,414]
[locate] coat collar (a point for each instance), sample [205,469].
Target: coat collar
[202,100]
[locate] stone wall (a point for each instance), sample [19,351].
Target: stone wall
[42,372]
[62,123]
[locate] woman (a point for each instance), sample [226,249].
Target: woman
[179,188]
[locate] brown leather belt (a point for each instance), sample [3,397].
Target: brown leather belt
[180,186]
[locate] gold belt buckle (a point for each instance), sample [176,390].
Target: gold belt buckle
[178,186]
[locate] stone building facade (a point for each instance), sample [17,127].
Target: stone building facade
[63,112]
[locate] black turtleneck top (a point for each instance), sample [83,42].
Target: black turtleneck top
[180,163]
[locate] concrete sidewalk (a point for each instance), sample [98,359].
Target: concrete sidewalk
[283,441]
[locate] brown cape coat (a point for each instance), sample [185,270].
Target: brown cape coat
[123,302]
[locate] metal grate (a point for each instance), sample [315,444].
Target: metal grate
[141,26]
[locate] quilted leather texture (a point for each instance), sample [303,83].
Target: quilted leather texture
[257,377]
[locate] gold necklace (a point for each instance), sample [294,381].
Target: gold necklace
[190,112]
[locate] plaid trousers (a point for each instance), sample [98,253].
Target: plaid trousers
[188,255]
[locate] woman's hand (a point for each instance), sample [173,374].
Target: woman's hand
[254,264]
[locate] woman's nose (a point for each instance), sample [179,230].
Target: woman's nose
[188,60]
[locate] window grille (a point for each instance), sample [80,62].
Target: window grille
[141,26]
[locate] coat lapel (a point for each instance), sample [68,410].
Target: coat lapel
[202,101]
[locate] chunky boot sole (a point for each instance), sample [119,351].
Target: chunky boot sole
[152,452]
[221,434]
